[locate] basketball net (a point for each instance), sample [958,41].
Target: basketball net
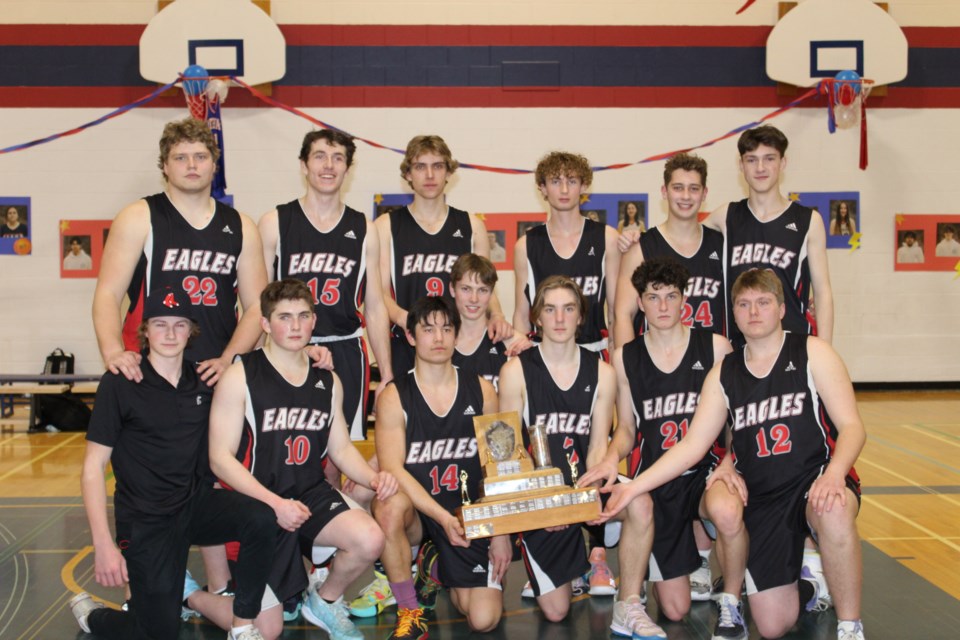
[195,95]
[847,106]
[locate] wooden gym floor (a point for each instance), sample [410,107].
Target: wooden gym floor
[909,522]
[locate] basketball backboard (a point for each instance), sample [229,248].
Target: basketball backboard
[227,37]
[819,38]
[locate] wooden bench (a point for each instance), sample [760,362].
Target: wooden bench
[31,385]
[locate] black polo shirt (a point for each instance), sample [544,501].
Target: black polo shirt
[159,438]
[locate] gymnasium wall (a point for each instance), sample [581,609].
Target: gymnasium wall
[671,75]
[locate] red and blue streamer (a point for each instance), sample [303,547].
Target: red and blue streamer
[377,145]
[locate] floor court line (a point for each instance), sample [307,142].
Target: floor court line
[902,518]
[41,456]
[904,478]
[933,461]
[947,439]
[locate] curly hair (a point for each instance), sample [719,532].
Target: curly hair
[562,163]
[187,130]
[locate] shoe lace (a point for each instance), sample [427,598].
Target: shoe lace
[850,632]
[406,619]
[635,614]
[729,614]
[341,614]
[376,587]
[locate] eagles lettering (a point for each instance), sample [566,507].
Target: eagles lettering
[761,253]
[775,408]
[294,419]
[198,260]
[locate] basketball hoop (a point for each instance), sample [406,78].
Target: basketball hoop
[847,105]
[194,90]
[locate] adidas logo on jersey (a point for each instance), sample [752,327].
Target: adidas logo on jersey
[457,234]
[350,234]
[334,505]
[792,227]
[493,350]
[227,229]
[469,411]
[714,256]
[790,367]
[319,385]
[479,569]
[697,366]
[199,400]
[587,389]
[591,253]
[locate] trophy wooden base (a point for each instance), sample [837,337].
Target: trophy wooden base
[528,510]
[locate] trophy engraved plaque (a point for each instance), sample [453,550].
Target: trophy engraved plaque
[520,494]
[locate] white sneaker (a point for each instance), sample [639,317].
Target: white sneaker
[850,630]
[630,619]
[701,582]
[81,605]
[247,634]
[527,591]
[821,600]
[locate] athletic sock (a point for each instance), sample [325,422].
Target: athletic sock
[236,631]
[405,594]
[705,554]
[807,592]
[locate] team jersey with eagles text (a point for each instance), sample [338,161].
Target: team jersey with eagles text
[286,428]
[420,262]
[706,297]
[779,245]
[586,267]
[781,430]
[664,402]
[484,361]
[202,262]
[566,413]
[439,448]
[332,263]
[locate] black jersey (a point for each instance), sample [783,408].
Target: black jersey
[485,360]
[439,448]
[664,402]
[332,263]
[567,413]
[706,297]
[779,245]
[586,267]
[420,262]
[158,433]
[781,430]
[203,262]
[19,232]
[286,428]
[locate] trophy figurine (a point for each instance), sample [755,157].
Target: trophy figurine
[520,494]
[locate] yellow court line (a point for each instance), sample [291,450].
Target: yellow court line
[40,505]
[869,500]
[896,538]
[930,435]
[956,503]
[26,552]
[39,457]
[66,574]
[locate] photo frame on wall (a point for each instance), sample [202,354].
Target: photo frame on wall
[926,242]
[387,202]
[81,247]
[841,214]
[15,226]
[630,209]
[507,228]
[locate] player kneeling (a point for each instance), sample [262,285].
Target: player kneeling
[275,420]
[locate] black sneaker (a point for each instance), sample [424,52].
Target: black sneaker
[730,624]
[427,588]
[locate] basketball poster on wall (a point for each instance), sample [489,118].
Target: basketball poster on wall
[840,211]
[81,247]
[15,226]
[387,202]
[503,231]
[926,242]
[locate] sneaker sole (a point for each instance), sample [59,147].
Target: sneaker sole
[603,591]
[705,596]
[373,610]
[312,619]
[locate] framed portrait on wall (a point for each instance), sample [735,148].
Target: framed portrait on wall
[840,211]
[926,242]
[622,211]
[81,247]
[15,226]
[506,229]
